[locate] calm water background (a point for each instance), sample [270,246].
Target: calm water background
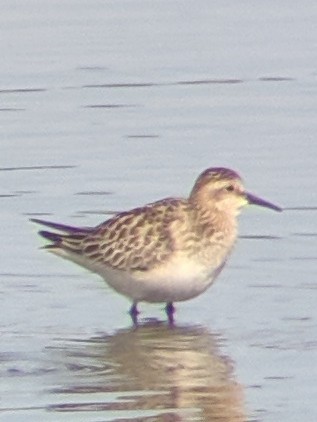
[106,105]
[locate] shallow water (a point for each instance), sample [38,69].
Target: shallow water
[109,105]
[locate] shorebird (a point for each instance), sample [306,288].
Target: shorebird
[167,251]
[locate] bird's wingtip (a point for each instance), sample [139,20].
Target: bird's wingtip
[60,227]
[53,237]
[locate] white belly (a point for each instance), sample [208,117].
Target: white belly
[181,278]
[168,283]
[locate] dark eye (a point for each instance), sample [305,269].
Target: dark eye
[229,188]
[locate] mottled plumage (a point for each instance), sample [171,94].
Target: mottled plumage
[170,250]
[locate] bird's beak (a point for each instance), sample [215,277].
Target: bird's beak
[255,200]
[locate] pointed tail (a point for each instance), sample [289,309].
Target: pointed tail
[69,239]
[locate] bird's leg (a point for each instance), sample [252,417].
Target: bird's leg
[170,310]
[134,313]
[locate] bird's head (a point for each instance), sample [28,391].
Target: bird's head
[222,189]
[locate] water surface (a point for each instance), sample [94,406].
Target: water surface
[109,105]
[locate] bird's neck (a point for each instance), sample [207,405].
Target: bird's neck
[211,220]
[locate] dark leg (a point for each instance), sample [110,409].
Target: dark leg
[134,313]
[170,310]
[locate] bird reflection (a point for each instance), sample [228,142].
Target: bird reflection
[160,373]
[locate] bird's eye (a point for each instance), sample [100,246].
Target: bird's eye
[229,188]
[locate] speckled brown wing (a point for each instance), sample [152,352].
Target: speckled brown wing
[134,240]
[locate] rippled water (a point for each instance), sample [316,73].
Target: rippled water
[108,105]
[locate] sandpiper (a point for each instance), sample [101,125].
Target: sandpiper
[164,252]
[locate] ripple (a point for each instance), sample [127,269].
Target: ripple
[9,195]
[211,81]
[7,109]
[97,212]
[111,106]
[305,208]
[142,136]
[27,168]
[260,237]
[276,79]
[92,68]
[94,193]
[304,234]
[122,85]
[21,90]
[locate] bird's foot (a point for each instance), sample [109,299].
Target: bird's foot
[134,313]
[170,310]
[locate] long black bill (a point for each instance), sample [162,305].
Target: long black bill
[252,199]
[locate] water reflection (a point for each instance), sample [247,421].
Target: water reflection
[172,374]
